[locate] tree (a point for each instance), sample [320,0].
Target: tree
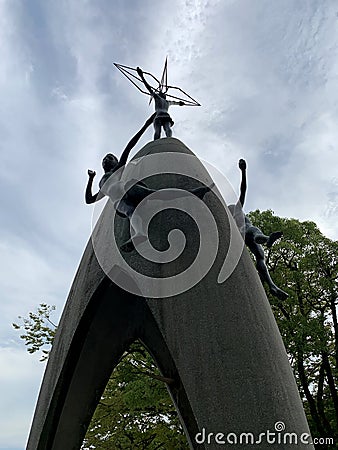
[39,330]
[135,410]
[304,262]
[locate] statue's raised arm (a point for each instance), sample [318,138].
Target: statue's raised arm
[111,164]
[242,166]
[147,85]
[133,141]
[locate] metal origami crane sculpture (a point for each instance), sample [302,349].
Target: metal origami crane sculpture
[159,86]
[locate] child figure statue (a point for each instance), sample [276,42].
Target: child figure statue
[162,117]
[254,237]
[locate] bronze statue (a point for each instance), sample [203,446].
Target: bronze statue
[162,118]
[130,197]
[254,237]
[160,93]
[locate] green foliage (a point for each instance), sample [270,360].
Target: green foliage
[304,263]
[38,330]
[135,411]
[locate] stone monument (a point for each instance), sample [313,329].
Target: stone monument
[188,291]
[217,339]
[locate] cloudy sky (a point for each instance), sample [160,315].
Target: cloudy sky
[265,72]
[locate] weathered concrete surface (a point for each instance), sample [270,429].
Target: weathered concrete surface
[219,342]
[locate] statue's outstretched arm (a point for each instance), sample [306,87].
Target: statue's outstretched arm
[172,102]
[89,197]
[133,141]
[147,85]
[242,166]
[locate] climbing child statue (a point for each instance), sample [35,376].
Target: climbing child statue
[254,237]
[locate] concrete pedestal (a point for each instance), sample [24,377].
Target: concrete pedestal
[219,342]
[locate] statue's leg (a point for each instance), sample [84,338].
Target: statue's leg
[172,194]
[273,237]
[261,238]
[201,191]
[137,228]
[137,192]
[137,233]
[167,129]
[263,271]
[265,276]
[258,236]
[157,127]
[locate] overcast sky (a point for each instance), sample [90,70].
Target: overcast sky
[265,72]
